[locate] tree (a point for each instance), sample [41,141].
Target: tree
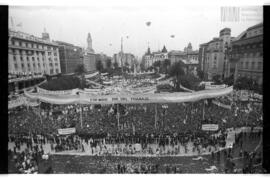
[190,81]
[229,80]
[217,79]
[157,65]
[176,71]
[126,64]
[166,64]
[200,74]
[244,83]
[108,63]
[115,65]
[99,65]
[142,67]
[80,70]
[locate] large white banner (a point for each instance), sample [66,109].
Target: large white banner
[86,98]
[59,92]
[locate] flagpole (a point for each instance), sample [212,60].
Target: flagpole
[81,116]
[40,113]
[118,115]
[156,116]
[203,108]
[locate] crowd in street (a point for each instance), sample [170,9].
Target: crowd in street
[127,130]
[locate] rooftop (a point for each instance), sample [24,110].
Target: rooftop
[255,26]
[29,37]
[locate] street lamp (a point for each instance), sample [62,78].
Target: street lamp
[226,58]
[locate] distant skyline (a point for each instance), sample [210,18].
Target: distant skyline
[194,24]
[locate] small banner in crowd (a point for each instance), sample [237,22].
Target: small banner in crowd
[225,106]
[17,102]
[66,131]
[210,87]
[210,127]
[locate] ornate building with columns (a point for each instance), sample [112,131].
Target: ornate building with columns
[247,54]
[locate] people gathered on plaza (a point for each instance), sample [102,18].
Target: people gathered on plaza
[136,130]
[127,130]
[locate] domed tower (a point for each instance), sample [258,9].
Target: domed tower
[225,35]
[189,47]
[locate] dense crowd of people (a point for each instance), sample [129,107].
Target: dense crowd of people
[133,118]
[128,130]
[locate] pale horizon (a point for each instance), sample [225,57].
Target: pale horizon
[194,24]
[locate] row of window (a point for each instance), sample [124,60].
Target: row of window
[29,52]
[251,65]
[249,55]
[28,66]
[34,64]
[32,45]
[256,77]
[242,47]
[33,58]
[254,32]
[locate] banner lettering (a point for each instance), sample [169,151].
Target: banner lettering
[66,131]
[210,127]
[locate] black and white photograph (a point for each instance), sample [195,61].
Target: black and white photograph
[143,89]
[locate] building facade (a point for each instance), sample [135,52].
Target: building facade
[247,54]
[213,55]
[89,57]
[188,57]
[202,58]
[70,57]
[29,58]
[151,58]
[29,54]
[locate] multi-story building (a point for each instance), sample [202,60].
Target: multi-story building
[31,57]
[247,54]
[89,57]
[30,54]
[176,56]
[202,58]
[70,57]
[151,58]
[188,57]
[214,56]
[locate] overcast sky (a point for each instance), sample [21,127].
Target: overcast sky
[195,24]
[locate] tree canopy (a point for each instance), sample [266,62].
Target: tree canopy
[176,71]
[62,83]
[99,65]
[115,65]
[80,69]
[108,63]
